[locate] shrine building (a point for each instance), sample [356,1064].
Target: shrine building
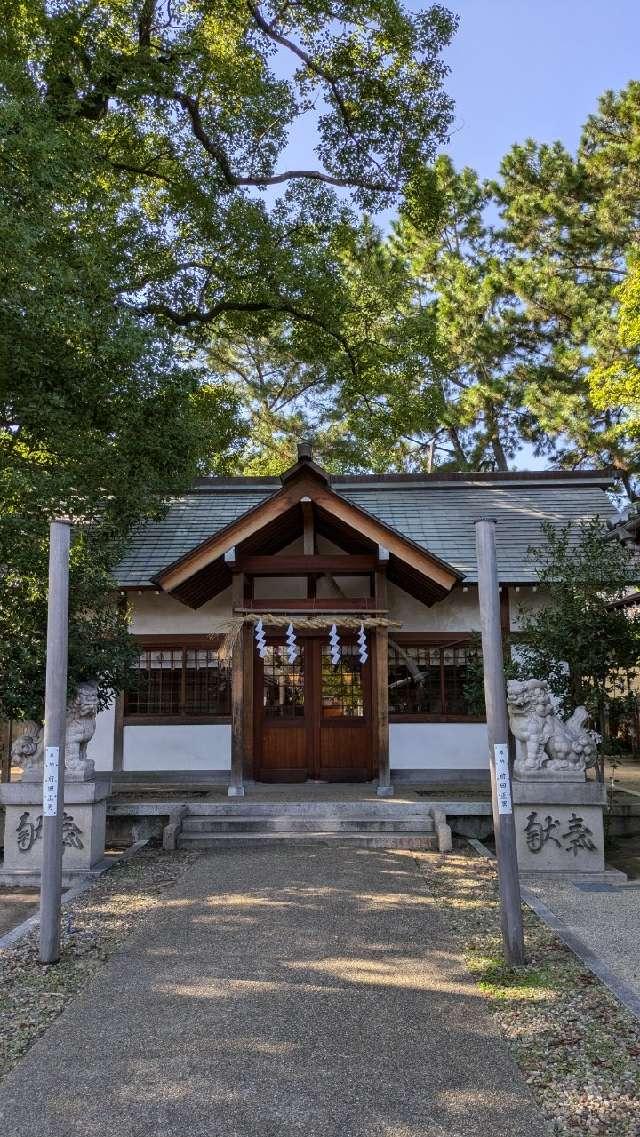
[367,666]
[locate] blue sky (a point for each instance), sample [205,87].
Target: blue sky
[534,68]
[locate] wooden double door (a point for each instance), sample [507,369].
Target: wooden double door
[312,717]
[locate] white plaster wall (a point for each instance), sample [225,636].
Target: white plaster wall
[157,614]
[438,746]
[196,747]
[458,612]
[100,749]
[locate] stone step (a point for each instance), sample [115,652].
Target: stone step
[392,840]
[242,807]
[288,824]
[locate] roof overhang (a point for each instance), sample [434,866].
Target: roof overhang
[203,572]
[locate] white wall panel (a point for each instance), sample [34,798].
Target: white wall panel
[438,746]
[100,749]
[198,747]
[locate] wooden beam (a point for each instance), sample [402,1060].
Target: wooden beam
[236,782]
[381,700]
[300,604]
[298,564]
[309,532]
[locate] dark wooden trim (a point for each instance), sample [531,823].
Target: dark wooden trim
[505,611]
[322,606]
[118,732]
[155,640]
[176,720]
[433,639]
[299,564]
[436,718]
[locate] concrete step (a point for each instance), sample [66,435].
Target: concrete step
[287,824]
[390,840]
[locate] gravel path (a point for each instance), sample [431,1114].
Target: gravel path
[576,1044]
[311,991]
[605,917]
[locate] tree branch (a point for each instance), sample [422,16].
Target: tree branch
[197,316]
[277,37]
[219,155]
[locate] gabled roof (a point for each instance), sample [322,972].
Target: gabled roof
[203,571]
[434,512]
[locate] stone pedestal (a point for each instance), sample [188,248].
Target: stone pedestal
[83,832]
[559,826]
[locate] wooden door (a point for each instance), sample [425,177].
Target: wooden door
[344,716]
[282,713]
[312,719]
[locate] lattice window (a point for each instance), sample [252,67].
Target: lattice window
[342,689]
[180,681]
[429,679]
[283,683]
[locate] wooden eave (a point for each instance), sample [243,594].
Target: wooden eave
[203,572]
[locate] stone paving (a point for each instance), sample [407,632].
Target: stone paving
[308,991]
[604,916]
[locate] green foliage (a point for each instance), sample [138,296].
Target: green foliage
[585,648]
[496,314]
[152,240]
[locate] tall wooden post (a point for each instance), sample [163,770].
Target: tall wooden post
[236,782]
[55,722]
[381,681]
[498,730]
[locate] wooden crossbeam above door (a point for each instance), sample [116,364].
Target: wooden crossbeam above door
[301,563]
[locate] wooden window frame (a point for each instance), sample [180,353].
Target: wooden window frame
[181,643]
[440,640]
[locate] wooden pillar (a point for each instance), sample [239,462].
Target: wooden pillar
[495,696]
[309,534]
[236,781]
[118,733]
[5,751]
[381,701]
[247,669]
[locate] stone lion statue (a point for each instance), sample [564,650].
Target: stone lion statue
[81,727]
[28,749]
[546,743]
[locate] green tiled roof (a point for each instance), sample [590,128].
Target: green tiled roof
[437,514]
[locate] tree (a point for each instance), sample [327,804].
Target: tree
[586,648]
[496,315]
[147,225]
[570,227]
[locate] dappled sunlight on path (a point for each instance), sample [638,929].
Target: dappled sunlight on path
[311,991]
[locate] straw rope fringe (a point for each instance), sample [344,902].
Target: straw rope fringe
[232,629]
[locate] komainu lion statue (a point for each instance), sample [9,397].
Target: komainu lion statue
[546,742]
[28,749]
[81,727]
